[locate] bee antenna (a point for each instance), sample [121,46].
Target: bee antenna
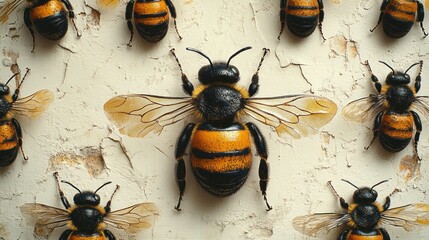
[69,183]
[102,186]
[417,63]
[11,78]
[238,52]
[379,183]
[202,54]
[350,183]
[393,70]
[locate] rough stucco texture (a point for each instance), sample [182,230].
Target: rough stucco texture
[75,138]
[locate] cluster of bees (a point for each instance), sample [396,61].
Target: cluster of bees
[220,144]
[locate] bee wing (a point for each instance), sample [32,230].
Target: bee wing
[107,3]
[319,223]
[362,109]
[47,218]
[8,8]
[421,104]
[133,218]
[33,105]
[136,115]
[295,115]
[409,217]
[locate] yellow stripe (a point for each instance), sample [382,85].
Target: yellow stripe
[6,132]
[46,10]
[220,141]
[399,9]
[151,8]
[222,164]
[397,126]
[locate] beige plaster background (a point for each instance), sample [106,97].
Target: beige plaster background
[75,138]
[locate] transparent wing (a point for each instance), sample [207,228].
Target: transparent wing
[33,105]
[107,3]
[319,223]
[421,104]
[409,217]
[8,8]
[295,115]
[134,218]
[47,218]
[136,115]
[365,108]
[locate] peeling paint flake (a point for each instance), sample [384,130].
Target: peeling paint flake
[409,167]
[89,157]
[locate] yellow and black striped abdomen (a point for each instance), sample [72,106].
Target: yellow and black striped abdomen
[151,19]
[399,17]
[50,19]
[396,130]
[359,235]
[302,16]
[221,157]
[9,142]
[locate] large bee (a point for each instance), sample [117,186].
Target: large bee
[151,17]
[87,220]
[302,16]
[398,16]
[49,17]
[392,108]
[363,217]
[10,130]
[220,144]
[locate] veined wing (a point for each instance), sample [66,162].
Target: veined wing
[295,115]
[107,3]
[365,108]
[421,104]
[319,223]
[133,218]
[137,114]
[409,217]
[33,105]
[47,218]
[8,8]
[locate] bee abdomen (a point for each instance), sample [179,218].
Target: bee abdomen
[151,19]
[302,18]
[8,156]
[50,20]
[396,131]
[8,143]
[399,18]
[357,234]
[221,158]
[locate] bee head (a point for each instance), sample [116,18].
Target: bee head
[219,72]
[86,197]
[397,77]
[4,89]
[365,195]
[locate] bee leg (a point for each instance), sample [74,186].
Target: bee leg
[71,15]
[66,234]
[109,235]
[19,133]
[321,17]
[107,207]
[418,81]
[343,202]
[254,86]
[261,148]
[128,16]
[63,198]
[283,4]
[29,25]
[343,235]
[184,138]
[374,78]
[16,93]
[384,233]
[187,85]
[421,16]
[419,128]
[375,129]
[386,205]
[173,15]
[383,7]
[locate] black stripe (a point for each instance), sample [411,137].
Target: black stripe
[152,15]
[302,7]
[212,155]
[232,127]
[393,8]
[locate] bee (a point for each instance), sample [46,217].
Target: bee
[398,16]
[10,130]
[49,17]
[220,144]
[302,16]
[87,220]
[150,17]
[363,217]
[392,108]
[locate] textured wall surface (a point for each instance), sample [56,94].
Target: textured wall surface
[75,138]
